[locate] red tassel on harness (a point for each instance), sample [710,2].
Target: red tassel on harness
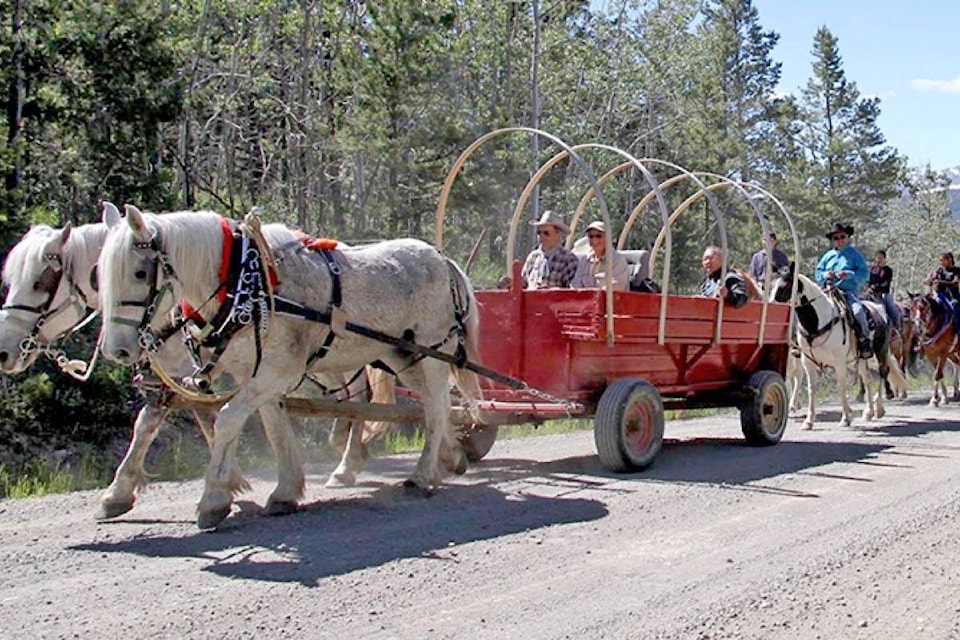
[319,244]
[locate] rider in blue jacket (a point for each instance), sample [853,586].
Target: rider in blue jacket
[845,268]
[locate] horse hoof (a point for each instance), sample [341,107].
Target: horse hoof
[110,510]
[461,467]
[280,508]
[210,519]
[341,481]
[413,487]
[807,426]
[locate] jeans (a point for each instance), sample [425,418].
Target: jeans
[858,312]
[893,311]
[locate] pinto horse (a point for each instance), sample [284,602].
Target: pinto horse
[937,332]
[826,338]
[308,309]
[51,281]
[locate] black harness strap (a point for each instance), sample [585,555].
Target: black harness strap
[282,305]
[336,301]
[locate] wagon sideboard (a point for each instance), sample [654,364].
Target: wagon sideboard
[556,341]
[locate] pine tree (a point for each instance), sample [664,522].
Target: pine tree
[855,169]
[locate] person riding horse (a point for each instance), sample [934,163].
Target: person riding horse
[845,268]
[878,288]
[945,283]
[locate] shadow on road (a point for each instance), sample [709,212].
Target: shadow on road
[721,461]
[335,537]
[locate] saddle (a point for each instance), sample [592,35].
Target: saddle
[873,321]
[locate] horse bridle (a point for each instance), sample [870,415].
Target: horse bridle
[918,319]
[149,339]
[50,279]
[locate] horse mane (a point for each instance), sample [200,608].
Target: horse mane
[27,251]
[82,249]
[187,237]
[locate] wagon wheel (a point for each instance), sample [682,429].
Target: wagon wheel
[628,426]
[477,440]
[763,418]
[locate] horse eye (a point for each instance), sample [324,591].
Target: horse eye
[140,275]
[36,286]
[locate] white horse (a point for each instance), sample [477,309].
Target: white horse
[403,289]
[827,339]
[51,280]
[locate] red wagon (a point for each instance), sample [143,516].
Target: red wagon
[623,357]
[556,341]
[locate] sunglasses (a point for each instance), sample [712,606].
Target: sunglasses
[594,235]
[840,236]
[544,232]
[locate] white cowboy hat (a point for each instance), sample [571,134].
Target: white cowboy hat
[552,219]
[597,225]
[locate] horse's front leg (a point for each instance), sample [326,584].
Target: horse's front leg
[286,450]
[956,381]
[794,373]
[811,418]
[863,374]
[130,475]
[217,496]
[935,400]
[846,414]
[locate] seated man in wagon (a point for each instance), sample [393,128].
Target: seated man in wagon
[551,264]
[591,270]
[732,287]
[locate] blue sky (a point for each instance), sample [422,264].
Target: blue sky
[906,52]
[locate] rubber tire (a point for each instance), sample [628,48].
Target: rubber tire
[763,419]
[477,441]
[628,425]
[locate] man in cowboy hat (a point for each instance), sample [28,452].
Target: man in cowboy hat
[592,267]
[550,264]
[845,268]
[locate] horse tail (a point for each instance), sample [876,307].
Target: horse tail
[897,380]
[465,305]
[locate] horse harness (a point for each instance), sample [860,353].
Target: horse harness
[243,296]
[810,336]
[945,324]
[49,282]
[247,296]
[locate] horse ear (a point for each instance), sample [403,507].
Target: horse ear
[53,249]
[65,233]
[111,215]
[137,224]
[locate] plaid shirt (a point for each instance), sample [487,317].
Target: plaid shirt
[546,270]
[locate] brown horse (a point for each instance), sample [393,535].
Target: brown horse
[937,335]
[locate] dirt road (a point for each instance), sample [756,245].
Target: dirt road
[834,533]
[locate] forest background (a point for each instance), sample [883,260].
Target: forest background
[343,119]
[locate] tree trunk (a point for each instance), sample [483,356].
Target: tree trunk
[15,109]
